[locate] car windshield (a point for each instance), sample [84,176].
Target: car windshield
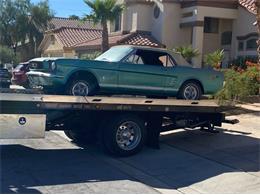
[19,67]
[115,54]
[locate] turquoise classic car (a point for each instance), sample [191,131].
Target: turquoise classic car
[126,69]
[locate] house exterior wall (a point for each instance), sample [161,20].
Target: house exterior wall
[212,41]
[137,17]
[52,48]
[243,26]
[172,33]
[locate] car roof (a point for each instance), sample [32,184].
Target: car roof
[143,47]
[176,55]
[150,48]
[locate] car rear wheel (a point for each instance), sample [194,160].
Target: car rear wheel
[82,87]
[190,91]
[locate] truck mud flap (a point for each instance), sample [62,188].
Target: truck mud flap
[22,126]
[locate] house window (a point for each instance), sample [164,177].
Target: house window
[118,23]
[52,39]
[211,25]
[240,46]
[251,44]
[156,12]
[226,38]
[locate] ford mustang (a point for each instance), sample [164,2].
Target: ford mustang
[126,69]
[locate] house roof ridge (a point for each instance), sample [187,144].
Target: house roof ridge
[71,27]
[78,28]
[64,18]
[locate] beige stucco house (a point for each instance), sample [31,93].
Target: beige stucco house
[73,38]
[207,25]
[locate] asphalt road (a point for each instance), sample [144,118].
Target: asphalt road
[189,161]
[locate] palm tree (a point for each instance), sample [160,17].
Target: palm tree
[214,59]
[187,52]
[102,12]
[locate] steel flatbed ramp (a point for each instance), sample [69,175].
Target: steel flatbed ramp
[59,102]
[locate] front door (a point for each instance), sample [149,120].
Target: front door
[142,73]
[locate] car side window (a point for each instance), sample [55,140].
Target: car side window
[134,59]
[167,60]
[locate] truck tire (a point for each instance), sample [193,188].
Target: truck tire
[81,87]
[190,91]
[125,135]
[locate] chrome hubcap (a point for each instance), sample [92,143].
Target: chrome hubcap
[190,92]
[80,89]
[128,135]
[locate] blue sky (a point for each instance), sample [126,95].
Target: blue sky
[65,8]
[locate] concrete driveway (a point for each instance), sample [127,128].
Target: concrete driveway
[189,161]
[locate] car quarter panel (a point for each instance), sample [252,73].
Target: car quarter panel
[211,80]
[105,72]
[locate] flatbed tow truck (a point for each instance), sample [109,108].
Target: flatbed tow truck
[122,125]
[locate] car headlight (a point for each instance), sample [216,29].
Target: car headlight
[53,66]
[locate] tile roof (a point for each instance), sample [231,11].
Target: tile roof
[136,38]
[141,39]
[72,36]
[249,5]
[58,22]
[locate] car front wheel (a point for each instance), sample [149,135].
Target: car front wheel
[82,87]
[190,91]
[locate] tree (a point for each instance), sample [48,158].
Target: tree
[187,52]
[102,12]
[74,17]
[21,21]
[39,15]
[13,24]
[7,55]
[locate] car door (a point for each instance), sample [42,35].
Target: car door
[139,77]
[171,74]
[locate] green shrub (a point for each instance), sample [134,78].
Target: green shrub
[240,84]
[240,62]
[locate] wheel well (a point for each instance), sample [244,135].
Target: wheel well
[194,81]
[83,74]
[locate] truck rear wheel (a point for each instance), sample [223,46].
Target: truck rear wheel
[125,135]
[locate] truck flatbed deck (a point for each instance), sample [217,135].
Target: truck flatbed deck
[122,124]
[59,102]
